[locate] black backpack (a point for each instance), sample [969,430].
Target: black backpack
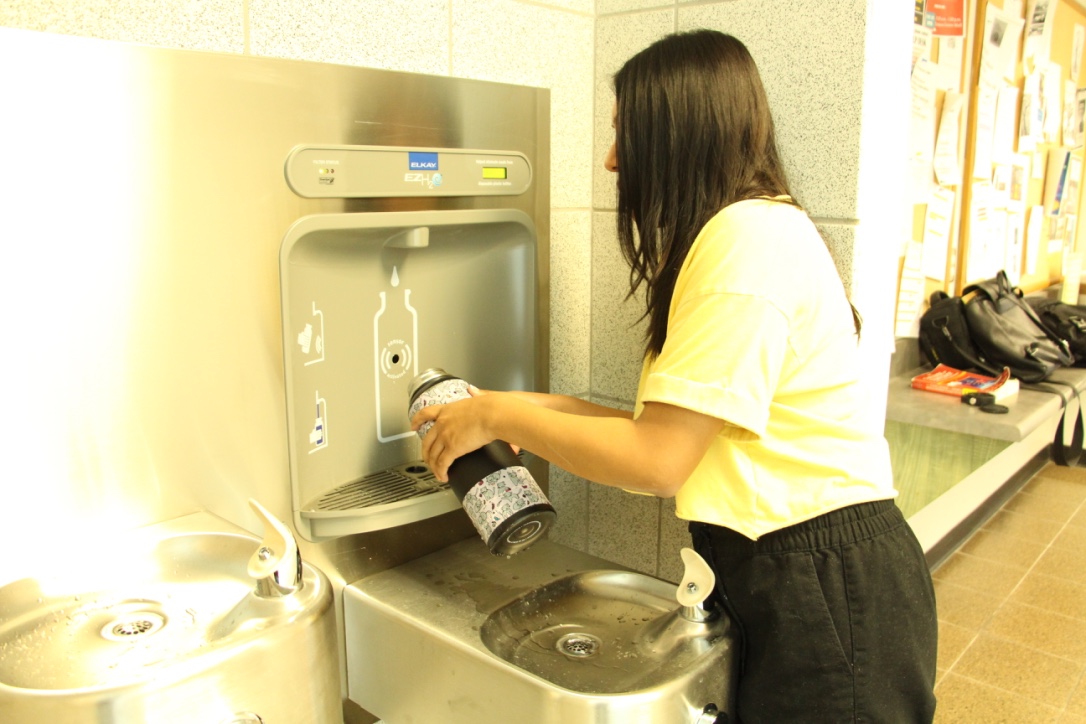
[1066,321]
[945,339]
[1008,333]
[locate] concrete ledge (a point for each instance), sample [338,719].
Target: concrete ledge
[1029,409]
[1030,426]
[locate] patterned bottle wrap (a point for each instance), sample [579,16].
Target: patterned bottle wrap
[439,393]
[501,496]
[503,500]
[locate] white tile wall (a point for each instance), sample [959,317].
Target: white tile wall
[674,536]
[623,527]
[617,334]
[812,65]
[607,7]
[211,25]
[571,299]
[514,42]
[617,38]
[841,241]
[569,496]
[586,7]
[407,35]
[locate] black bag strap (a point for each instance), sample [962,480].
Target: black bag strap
[974,361]
[1068,455]
[1001,286]
[1065,455]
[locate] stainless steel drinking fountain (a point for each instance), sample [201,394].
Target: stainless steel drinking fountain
[189,620]
[550,636]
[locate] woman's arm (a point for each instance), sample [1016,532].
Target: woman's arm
[566,403]
[653,454]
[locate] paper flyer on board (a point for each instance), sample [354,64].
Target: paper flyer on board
[1032,117]
[1034,231]
[1006,123]
[1080,115]
[945,17]
[948,172]
[951,58]
[987,235]
[1001,186]
[1015,225]
[922,118]
[1072,184]
[1074,108]
[1020,175]
[910,295]
[1078,45]
[922,42]
[984,132]
[1001,35]
[1052,100]
[940,212]
[1039,15]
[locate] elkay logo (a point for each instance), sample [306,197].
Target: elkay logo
[419,161]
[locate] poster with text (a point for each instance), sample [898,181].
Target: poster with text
[947,17]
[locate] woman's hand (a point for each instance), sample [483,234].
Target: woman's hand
[458,428]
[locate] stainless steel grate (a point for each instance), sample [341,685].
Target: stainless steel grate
[380,488]
[578,645]
[132,626]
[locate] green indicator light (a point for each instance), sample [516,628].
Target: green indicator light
[495,172]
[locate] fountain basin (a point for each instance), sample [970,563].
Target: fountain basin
[167,629]
[549,636]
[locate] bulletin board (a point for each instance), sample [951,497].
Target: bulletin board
[996,148]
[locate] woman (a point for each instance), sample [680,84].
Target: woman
[750,385]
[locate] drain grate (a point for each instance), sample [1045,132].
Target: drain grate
[393,485]
[578,645]
[133,626]
[382,488]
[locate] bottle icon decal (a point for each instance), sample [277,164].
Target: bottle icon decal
[395,347]
[318,436]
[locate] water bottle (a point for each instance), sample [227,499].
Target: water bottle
[500,496]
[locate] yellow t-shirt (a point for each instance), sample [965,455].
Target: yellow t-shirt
[760,335]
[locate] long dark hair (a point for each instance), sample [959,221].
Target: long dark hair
[694,134]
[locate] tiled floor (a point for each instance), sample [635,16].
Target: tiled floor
[1012,611]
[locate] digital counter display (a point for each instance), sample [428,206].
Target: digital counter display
[495,172]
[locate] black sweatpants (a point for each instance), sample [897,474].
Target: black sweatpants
[836,617]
